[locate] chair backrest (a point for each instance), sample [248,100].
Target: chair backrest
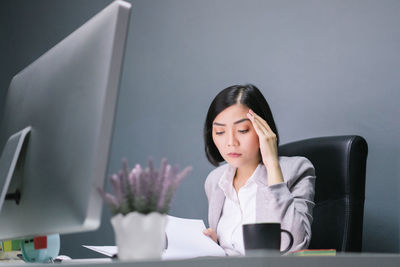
[340,164]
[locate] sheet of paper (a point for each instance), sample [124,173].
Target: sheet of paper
[185,240]
[105,250]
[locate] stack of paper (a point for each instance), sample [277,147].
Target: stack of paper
[185,240]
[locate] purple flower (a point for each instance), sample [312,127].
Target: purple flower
[116,188]
[145,190]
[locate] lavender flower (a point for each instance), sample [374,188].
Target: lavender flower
[144,190]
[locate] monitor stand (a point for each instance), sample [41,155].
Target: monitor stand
[8,161]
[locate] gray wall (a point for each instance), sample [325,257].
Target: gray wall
[326,68]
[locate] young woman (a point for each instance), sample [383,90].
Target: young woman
[256,185]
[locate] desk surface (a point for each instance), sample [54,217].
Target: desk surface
[341,260]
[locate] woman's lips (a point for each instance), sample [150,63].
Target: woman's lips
[234,155]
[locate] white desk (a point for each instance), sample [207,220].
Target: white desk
[340,260]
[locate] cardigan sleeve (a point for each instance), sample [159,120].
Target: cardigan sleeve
[291,202]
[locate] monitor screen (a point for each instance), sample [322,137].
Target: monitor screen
[68,99]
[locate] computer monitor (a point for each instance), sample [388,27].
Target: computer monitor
[68,99]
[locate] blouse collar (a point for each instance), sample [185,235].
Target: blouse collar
[226,180]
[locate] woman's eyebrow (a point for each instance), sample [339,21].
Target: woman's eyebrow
[236,122]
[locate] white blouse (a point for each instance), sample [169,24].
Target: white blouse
[239,208]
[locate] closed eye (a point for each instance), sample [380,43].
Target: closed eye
[243,131]
[219,133]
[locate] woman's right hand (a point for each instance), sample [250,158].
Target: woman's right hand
[211,234]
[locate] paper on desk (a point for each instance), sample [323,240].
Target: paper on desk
[185,240]
[105,250]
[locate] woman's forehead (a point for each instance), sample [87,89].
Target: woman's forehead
[232,115]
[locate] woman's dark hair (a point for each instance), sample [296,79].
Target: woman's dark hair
[247,95]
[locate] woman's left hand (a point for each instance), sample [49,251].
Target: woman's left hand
[268,148]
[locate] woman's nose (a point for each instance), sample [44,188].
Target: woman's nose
[232,141]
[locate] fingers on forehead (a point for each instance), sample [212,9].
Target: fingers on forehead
[263,122]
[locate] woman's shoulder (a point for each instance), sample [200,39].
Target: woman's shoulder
[297,166]
[295,161]
[215,175]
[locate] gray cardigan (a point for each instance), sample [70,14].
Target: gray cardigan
[289,203]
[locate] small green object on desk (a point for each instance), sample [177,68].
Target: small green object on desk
[314,252]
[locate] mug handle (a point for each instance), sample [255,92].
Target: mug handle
[290,242]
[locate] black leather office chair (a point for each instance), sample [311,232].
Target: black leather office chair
[340,163]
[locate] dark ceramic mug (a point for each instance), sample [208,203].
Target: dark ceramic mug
[264,236]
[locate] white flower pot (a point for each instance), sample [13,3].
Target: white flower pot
[139,236]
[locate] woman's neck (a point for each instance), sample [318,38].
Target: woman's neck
[243,173]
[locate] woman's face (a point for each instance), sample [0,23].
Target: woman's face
[234,136]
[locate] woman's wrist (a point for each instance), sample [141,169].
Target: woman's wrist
[274,172]
[272,163]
